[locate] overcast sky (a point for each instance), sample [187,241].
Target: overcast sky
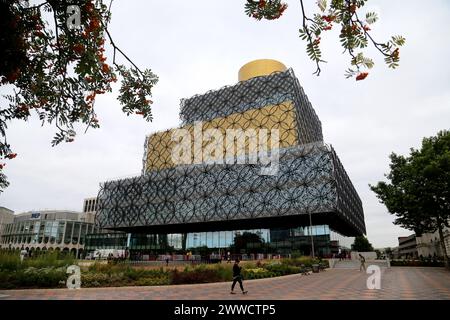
[195,46]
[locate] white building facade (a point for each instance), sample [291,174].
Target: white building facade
[429,244]
[48,230]
[6,217]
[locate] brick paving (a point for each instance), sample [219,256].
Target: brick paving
[340,284]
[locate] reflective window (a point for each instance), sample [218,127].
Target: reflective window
[37,226]
[34,238]
[68,236]
[83,233]
[47,231]
[60,233]
[76,233]
[54,232]
[41,229]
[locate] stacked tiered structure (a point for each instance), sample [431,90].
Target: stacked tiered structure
[211,193]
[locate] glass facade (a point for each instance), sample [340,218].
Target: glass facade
[48,233]
[106,241]
[221,239]
[269,241]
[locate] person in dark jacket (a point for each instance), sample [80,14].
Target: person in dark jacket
[237,277]
[363,261]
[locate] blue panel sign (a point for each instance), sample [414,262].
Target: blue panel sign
[35,215]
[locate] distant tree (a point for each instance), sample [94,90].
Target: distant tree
[388,252]
[378,252]
[242,240]
[418,191]
[202,251]
[361,244]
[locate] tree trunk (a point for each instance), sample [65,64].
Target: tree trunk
[444,250]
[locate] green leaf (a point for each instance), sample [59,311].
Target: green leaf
[361,60]
[398,40]
[350,73]
[371,17]
[303,35]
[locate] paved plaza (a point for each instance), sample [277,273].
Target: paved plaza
[342,284]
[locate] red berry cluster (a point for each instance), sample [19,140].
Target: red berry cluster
[269,10]
[329,19]
[361,76]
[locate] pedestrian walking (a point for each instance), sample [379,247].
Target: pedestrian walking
[363,262]
[167,261]
[237,277]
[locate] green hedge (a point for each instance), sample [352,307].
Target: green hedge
[258,273]
[283,269]
[106,275]
[33,278]
[90,280]
[202,274]
[44,270]
[306,261]
[10,260]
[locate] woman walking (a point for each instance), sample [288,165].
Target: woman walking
[237,277]
[363,261]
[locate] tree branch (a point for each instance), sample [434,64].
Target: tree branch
[308,33]
[118,49]
[367,34]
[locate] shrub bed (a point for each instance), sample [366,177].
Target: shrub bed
[49,271]
[45,270]
[10,260]
[104,275]
[33,278]
[257,273]
[306,261]
[201,274]
[282,269]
